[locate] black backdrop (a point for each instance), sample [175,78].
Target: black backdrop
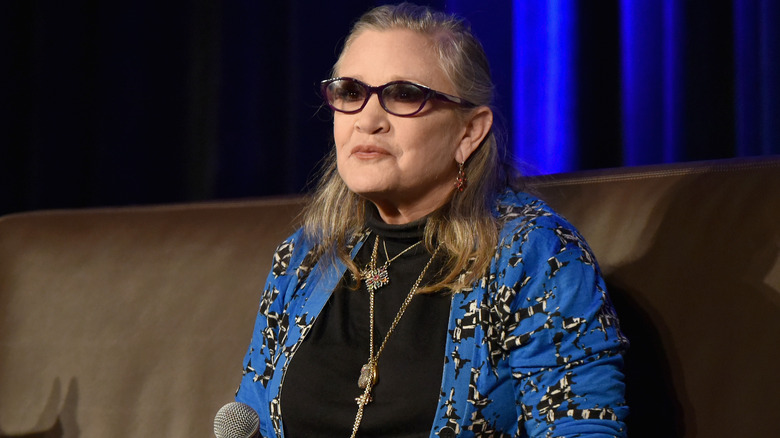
[120,103]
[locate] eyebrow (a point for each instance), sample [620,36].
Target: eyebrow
[393,78]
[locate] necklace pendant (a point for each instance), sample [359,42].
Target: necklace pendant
[368,374]
[376,278]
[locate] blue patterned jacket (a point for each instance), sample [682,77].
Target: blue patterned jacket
[534,350]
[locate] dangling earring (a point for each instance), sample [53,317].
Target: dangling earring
[461,181]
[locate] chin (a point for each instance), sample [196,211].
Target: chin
[366,185]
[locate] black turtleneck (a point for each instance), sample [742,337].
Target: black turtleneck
[319,389]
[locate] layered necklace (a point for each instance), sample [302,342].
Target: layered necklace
[375,278]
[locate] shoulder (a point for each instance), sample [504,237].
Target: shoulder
[298,254]
[294,253]
[523,216]
[537,241]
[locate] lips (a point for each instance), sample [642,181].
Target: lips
[368,152]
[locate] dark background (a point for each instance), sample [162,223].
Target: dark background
[120,103]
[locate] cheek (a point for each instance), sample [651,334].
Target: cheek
[341,129]
[436,143]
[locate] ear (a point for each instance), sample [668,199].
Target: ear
[478,124]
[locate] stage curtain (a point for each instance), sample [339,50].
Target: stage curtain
[123,103]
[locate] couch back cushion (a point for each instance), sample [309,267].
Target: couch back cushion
[130,322]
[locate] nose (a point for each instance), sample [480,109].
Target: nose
[373,119]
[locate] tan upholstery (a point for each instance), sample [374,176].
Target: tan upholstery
[132,322]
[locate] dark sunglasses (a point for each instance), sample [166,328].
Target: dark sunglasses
[400,98]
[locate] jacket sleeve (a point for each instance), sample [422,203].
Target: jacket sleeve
[257,389]
[561,334]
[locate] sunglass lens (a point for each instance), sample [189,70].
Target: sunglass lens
[346,95]
[403,99]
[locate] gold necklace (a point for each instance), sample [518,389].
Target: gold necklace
[369,374]
[378,277]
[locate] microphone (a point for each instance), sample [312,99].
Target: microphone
[236,420]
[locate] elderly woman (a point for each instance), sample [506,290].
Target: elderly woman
[425,295]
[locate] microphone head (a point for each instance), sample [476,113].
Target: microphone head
[236,420]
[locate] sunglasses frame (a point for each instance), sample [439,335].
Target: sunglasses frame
[428,92]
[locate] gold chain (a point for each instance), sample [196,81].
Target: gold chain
[373,360]
[387,257]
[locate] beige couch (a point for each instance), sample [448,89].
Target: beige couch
[132,322]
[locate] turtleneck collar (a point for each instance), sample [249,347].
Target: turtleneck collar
[411,230]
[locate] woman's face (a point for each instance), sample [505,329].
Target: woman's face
[405,165]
